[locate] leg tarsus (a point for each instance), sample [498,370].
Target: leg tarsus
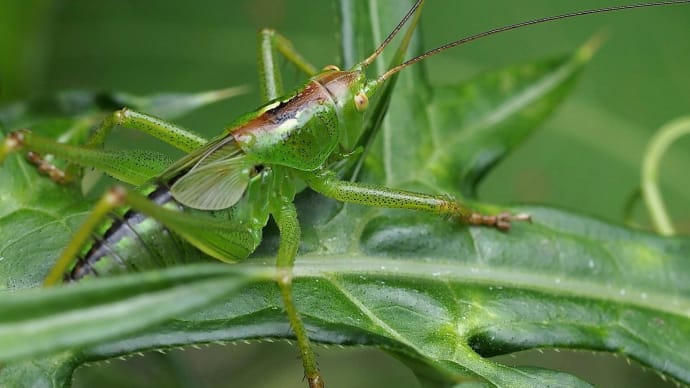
[315,382]
[56,174]
[15,141]
[501,221]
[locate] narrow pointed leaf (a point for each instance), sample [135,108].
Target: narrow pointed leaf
[476,124]
[174,105]
[81,104]
[43,321]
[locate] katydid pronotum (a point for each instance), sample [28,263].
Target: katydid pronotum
[249,173]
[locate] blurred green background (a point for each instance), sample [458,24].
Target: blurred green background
[586,158]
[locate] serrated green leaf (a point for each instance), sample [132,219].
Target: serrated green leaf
[445,309]
[41,372]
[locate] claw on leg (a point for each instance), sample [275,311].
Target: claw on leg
[501,221]
[15,141]
[315,382]
[46,168]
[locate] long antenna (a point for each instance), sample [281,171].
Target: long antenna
[390,36]
[508,28]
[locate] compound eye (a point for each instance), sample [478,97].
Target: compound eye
[331,68]
[361,101]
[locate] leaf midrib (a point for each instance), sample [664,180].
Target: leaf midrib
[326,267]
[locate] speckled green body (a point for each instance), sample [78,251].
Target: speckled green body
[302,130]
[298,132]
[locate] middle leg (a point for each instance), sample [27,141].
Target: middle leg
[286,218]
[326,183]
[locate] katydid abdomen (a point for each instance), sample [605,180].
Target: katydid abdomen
[131,241]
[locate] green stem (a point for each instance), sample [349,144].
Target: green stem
[650,166]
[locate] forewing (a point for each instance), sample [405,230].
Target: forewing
[216,180]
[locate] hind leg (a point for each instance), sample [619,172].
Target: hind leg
[131,166]
[120,164]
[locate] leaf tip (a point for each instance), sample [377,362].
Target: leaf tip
[587,51]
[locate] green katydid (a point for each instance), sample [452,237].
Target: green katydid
[220,196]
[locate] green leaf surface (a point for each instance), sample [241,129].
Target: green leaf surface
[442,297]
[51,371]
[37,321]
[37,218]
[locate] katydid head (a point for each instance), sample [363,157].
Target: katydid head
[350,89]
